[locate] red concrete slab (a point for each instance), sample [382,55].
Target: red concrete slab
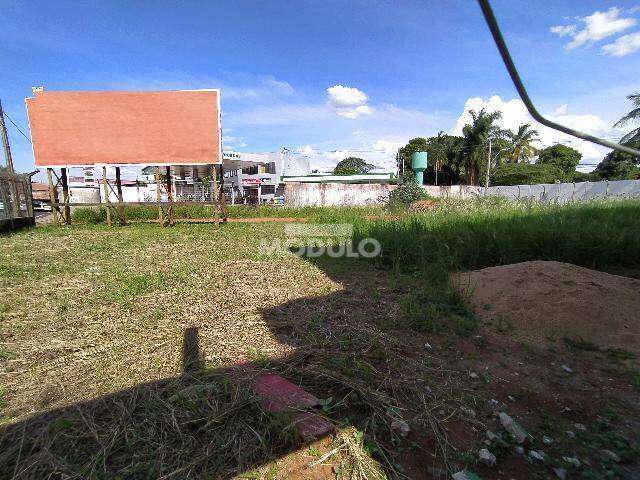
[311,426]
[279,394]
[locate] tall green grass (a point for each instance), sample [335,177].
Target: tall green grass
[317,214]
[477,234]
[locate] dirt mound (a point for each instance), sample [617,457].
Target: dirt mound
[538,301]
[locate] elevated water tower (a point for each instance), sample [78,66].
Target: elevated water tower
[419,165]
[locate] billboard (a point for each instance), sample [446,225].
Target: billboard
[85,128]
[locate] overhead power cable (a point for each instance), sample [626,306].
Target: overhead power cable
[517,81]
[17,127]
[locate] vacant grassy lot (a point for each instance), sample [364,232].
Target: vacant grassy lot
[96,384]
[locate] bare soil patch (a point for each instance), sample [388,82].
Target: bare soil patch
[544,300]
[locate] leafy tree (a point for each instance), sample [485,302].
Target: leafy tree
[632,116]
[444,158]
[521,143]
[563,157]
[526,174]
[352,166]
[618,166]
[582,177]
[418,144]
[444,166]
[475,143]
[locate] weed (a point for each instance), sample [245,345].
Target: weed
[618,354]
[435,311]
[580,344]
[5,354]
[260,359]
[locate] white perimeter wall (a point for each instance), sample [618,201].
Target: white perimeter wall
[335,194]
[546,192]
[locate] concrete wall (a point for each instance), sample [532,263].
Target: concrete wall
[335,194]
[329,194]
[549,192]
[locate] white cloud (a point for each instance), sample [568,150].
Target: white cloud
[561,110]
[348,102]
[596,27]
[514,114]
[388,147]
[564,30]
[624,45]
[306,150]
[229,141]
[340,96]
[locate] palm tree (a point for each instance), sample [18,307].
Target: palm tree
[521,143]
[438,152]
[475,143]
[633,116]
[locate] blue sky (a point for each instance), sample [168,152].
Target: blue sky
[398,69]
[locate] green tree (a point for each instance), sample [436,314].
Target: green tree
[443,157]
[444,164]
[476,141]
[521,147]
[418,144]
[526,174]
[633,116]
[563,157]
[352,166]
[618,166]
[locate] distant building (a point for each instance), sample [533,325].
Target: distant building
[257,177]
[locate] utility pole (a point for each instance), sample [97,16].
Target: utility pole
[5,141]
[13,191]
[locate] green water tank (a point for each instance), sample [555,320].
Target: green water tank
[419,165]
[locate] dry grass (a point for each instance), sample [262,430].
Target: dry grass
[91,313]
[76,311]
[92,359]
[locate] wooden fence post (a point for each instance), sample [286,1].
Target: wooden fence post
[121,214]
[105,184]
[222,199]
[65,196]
[159,197]
[169,197]
[53,198]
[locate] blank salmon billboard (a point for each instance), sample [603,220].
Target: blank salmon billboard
[84,128]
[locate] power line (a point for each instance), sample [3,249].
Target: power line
[17,127]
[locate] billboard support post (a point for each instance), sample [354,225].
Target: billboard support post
[169,197]
[105,184]
[65,196]
[53,197]
[159,198]
[121,214]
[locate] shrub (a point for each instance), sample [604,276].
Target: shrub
[407,192]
